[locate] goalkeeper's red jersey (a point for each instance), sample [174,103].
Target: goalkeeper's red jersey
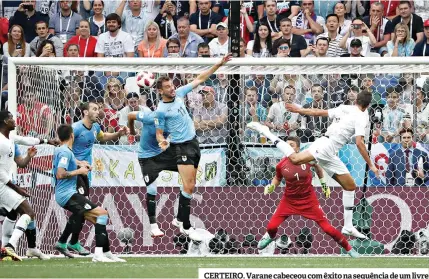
[298,181]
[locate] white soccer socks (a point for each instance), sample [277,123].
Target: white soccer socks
[19,230]
[348,203]
[7,230]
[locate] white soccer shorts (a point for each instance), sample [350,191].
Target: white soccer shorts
[324,151]
[9,199]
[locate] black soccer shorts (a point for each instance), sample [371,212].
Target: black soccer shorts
[188,152]
[82,185]
[79,204]
[151,167]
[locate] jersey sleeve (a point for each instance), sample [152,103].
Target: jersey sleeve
[160,120]
[17,152]
[4,168]
[360,126]
[335,112]
[64,160]
[26,140]
[182,91]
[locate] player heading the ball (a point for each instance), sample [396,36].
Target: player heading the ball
[173,117]
[349,121]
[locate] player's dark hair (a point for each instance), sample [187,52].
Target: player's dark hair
[4,115]
[114,16]
[403,131]
[160,81]
[364,98]
[64,132]
[294,139]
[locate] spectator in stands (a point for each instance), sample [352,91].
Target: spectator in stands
[336,87]
[380,27]
[262,45]
[253,112]
[324,7]
[114,101]
[221,86]
[332,25]
[43,34]
[72,50]
[352,93]
[151,9]
[367,83]
[243,48]
[204,21]
[355,49]
[133,20]
[210,119]
[27,17]
[392,117]
[356,8]
[401,44]
[115,42]
[390,8]
[299,82]
[152,45]
[271,19]
[133,100]
[167,20]
[84,40]
[357,31]
[219,46]
[413,21]
[422,48]
[173,47]
[16,45]
[307,23]
[246,24]
[297,42]
[255,9]
[422,109]
[71,111]
[65,24]
[283,49]
[406,89]
[263,85]
[318,50]
[46,49]
[4,27]
[204,50]
[189,41]
[97,22]
[282,122]
[313,127]
[407,165]
[287,9]
[344,24]
[183,7]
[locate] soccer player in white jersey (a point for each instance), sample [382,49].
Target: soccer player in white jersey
[12,197]
[349,121]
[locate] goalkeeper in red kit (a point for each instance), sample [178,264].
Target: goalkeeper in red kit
[299,199]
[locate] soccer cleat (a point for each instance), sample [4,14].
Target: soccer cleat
[113,257]
[177,223]
[258,127]
[10,252]
[353,232]
[353,254]
[265,241]
[155,231]
[62,248]
[191,233]
[101,259]
[78,248]
[36,253]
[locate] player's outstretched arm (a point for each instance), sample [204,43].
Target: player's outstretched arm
[103,137]
[325,188]
[364,153]
[34,141]
[64,174]
[307,111]
[204,76]
[22,161]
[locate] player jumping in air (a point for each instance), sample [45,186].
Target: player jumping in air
[65,173]
[172,117]
[299,199]
[349,121]
[86,131]
[152,160]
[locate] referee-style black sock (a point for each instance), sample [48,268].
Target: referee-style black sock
[151,208]
[31,237]
[101,239]
[77,225]
[66,233]
[185,209]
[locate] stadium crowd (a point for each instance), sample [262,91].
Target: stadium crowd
[307,28]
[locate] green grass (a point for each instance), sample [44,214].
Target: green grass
[186,267]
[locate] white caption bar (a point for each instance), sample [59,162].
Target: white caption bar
[313,273]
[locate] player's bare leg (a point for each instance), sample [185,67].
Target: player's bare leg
[188,174]
[349,186]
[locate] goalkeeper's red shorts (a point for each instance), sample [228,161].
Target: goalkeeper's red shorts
[310,210]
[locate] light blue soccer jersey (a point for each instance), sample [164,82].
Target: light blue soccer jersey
[148,146]
[172,117]
[64,188]
[84,139]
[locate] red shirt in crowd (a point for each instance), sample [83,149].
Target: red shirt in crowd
[86,46]
[389,6]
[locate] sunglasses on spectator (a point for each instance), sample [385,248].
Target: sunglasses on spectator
[283,47]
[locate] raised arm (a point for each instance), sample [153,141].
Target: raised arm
[307,111]
[204,76]
[364,153]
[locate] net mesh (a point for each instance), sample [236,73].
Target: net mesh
[236,164]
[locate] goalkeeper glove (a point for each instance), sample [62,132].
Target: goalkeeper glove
[269,189]
[325,188]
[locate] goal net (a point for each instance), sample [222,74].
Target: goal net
[236,163]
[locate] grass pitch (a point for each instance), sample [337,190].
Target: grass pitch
[187,267]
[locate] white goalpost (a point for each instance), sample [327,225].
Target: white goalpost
[235,164]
